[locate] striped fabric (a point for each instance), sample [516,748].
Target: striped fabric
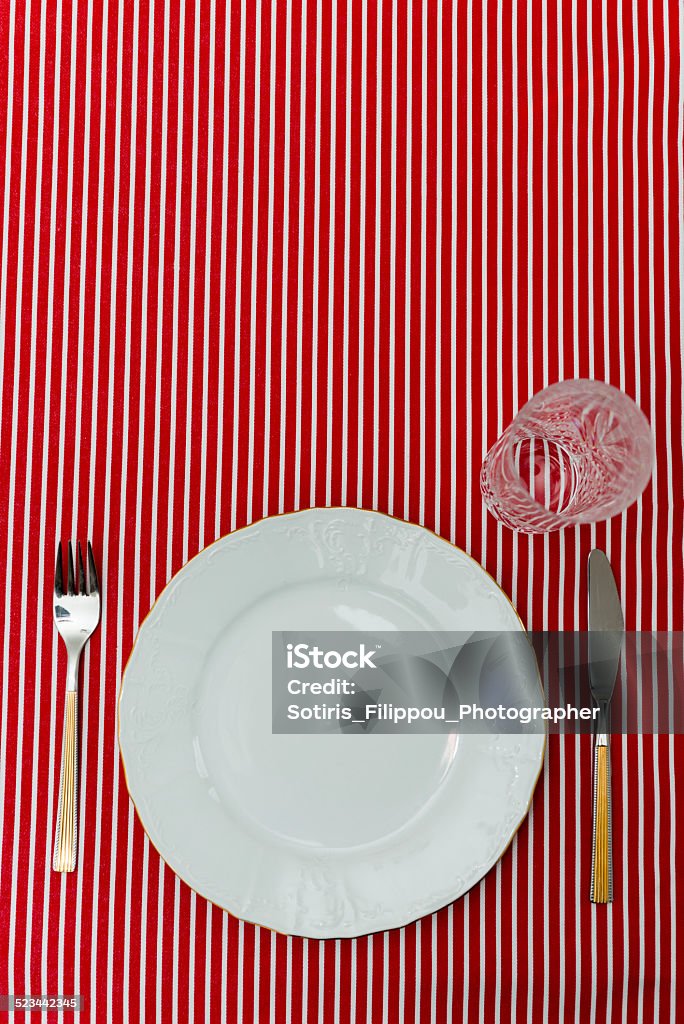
[305,254]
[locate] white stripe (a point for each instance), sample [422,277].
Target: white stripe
[530,384]
[582,752]
[224,964]
[621,210]
[288,981]
[285,259]
[385,977]
[393,262]
[238,273]
[11,35]
[454,297]
[466,956]
[272,962]
[143,342]
[621,328]
[450,961]
[402,973]
[668,592]
[500,380]
[142,992]
[423,261]
[530,358]
[438,280]
[545,381]
[94,959]
[515,202]
[530,242]
[128,825]
[418,930]
[629,910]
[48,390]
[407,263]
[499,947]
[635,199]
[174,959]
[369,979]
[220,388]
[514,927]
[469,272]
[579,748]
[530,914]
[154,546]
[160,938]
[208,232]
[300,262]
[176,276]
[619,869]
[604,182]
[155,551]
[207,956]
[482,966]
[65,361]
[194,115]
[76,413]
[575,206]
[560,193]
[305,981]
[377,240]
[628,913]
[316,259]
[590,232]
[269,269]
[331,254]
[240,966]
[655,400]
[192,939]
[362,254]
[345,259]
[114,755]
[257,957]
[255,239]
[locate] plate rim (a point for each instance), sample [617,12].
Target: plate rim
[232,533]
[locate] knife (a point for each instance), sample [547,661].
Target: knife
[606,632]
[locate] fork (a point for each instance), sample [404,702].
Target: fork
[76,618]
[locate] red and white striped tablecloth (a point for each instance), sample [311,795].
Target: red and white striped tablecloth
[305,254]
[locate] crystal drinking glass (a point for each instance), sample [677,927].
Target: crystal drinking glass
[579,451]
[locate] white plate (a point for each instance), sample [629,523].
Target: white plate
[314,835]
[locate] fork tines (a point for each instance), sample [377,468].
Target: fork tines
[84,589]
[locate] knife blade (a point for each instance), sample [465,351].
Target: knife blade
[606,631]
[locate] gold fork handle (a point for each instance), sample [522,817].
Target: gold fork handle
[66,833]
[601,864]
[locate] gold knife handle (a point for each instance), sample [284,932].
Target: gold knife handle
[602,854]
[66,833]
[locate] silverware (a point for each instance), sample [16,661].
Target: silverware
[76,617]
[606,631]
